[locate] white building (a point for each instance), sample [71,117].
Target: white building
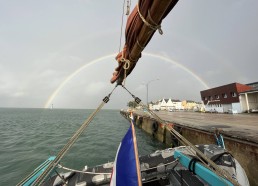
[163,104]
[177,104]
[166,104]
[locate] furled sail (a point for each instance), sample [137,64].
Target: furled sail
[142,23]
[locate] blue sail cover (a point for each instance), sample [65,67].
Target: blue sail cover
[126,169]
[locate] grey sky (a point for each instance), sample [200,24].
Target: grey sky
[44,42]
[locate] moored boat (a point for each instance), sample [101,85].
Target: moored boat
[172,166]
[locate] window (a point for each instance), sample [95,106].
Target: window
[216,96]
[233,94]
[224,95]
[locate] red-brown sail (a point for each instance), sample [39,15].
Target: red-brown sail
[142,23]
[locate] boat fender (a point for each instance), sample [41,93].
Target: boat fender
[134,118]
[84,183]
[155,126]
[100,179]
[140,120]
[161,168]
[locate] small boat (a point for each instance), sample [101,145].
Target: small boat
[172,166]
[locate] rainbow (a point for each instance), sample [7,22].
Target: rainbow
[180,66]
[72,75]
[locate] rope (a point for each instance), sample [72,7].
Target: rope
[126,66]
[121,28]
[176,160]
[138,43]
[126,63]
[132,59]
[153,26]
[153,22]
[69,144]
[84,172]
[97,173]
[193,149]
[128,7]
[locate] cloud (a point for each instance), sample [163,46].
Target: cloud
[7,81]
[18,94]
[96,87]
[75,58]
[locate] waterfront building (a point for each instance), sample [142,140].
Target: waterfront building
[249,99]
[177,104]
[189,105]
[163,104]
[199,107]
[166,104]
[174,104]
[155,105]
[224,98]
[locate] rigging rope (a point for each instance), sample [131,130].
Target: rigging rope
[121,28]
[69,144]
[106,173]
[152,26]
[127,64]
[84,172]
[128,6]
[214,167]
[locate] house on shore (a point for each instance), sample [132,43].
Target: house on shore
[163,104]
[189,105]
[226,98]
[166,104]
[175,104]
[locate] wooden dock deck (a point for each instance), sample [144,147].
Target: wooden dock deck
[240,132]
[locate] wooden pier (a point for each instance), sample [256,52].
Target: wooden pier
[240,132]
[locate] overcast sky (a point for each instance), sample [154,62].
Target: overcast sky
[58,52]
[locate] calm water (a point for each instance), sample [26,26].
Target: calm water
[29,136]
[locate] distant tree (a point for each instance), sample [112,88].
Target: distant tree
[132,104]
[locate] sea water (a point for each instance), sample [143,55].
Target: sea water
[29,136]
